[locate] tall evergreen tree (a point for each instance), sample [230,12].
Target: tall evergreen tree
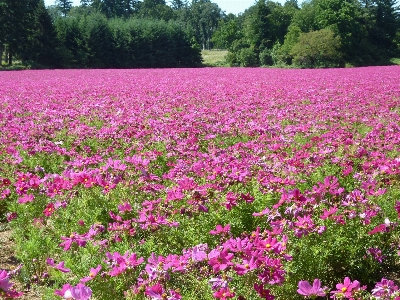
[64,6]
[40,45]
[15,18]
[387,21]
[178,4]
[86,3]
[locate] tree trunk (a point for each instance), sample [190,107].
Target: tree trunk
[10,56]
[1,54]
[6,52]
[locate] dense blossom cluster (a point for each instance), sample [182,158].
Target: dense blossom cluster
[116,161]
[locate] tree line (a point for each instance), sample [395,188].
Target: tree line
[97,34]
[154,33]
[319,33]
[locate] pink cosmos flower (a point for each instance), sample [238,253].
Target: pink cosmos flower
[247,266]
[124,207]
[199,252]
[78,292]
[48,211]
[223,294]
[92,274]
[263,293]
[26,198]
[397,208]
[156,292]
[220,260]
[220,230]
[59,266]
[219,282]
[6,286]
[307,290]
[376,253]
[385,289]
[81,292]
[347,288]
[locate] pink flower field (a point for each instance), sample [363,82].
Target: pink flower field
[214,183]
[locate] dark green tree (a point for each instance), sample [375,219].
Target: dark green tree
[258,27]
[156,9]
[179,4]
[86,3]
[387,23]
[226,34]
[203,17]
[15,20]
[319,48]
[73,52]
[64,6]
[40,46]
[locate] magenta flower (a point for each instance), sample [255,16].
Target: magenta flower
[48,211]
[199,252]
[124,207]
[60,266]
[347,288]
[156,292]
[220,230]
[81,292]
[220,260]
[219,282]
[385,289]
[397,208]
[263,293]
[93,273]
[313,291]
[6,286]
[223,294]
[78,292]
[246,266]
[26,198]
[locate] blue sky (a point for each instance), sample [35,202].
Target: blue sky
[229,6]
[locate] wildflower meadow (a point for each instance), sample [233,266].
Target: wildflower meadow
[209,183]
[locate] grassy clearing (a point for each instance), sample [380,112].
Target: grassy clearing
[395,61]
[214,58]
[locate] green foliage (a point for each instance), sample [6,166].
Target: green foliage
[95,42]
[203,17]
[368,31]
[64,6]
[317,49]
[291,38]
[226,34]
[269,57]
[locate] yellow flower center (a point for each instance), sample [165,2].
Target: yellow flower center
[268,246]
[344,289]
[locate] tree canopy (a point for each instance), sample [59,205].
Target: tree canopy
[159,33]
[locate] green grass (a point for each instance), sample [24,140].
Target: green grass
[214,58]
[395,61]
[17,65]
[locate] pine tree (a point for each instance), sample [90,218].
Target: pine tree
[64,6]
[178,4]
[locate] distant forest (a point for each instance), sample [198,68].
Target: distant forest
[154,33]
